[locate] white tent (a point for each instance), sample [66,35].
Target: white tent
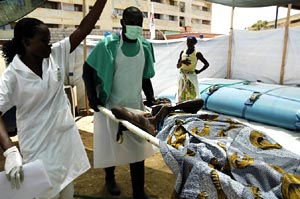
[257,3]
[256,55]
[269,56]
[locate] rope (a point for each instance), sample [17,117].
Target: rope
[246,82]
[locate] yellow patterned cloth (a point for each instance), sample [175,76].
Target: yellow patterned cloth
[193,59]
[187,83]
[186,89]
[214,156]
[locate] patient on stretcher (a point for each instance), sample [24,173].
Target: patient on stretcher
[150,122]
[215,156]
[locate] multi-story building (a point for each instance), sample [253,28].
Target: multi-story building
[294,22]
[170,15]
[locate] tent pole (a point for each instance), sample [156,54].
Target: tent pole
[84,57]
[276,18]
[287,23]
[230,46]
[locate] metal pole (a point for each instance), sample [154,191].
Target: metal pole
[276,18]
[132,128]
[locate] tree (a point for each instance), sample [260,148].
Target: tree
[260,25]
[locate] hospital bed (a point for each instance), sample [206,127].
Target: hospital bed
[226,156]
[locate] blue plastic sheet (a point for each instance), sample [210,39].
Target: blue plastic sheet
[267,103]
[271,104]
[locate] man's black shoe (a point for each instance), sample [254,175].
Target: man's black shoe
[112,187]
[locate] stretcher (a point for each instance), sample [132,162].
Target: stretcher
[134,129]
[268,156]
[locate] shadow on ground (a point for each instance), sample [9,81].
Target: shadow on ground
[159,180]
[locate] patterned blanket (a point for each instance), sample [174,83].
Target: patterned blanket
[216,157]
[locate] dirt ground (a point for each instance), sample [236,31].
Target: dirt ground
[159,180]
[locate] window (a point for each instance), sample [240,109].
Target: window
[156,16]
[68,7]
[172,18]
[205,9]
[206,22]
[182,7]
[77,7]
[295,21]
[118,12]
[145,14]
[196,8]
[181,22]
[196,21]
[52,25]
[52,5]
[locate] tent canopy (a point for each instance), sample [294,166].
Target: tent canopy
[12,10]
[256,3]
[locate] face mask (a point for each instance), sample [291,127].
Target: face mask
[133,32]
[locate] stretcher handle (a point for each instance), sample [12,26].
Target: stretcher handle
[132,128]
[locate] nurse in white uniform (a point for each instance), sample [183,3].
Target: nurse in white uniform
[123,64]
[34,83]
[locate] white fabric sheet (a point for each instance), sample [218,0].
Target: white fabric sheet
[35,182]
[257,55]
[292,69]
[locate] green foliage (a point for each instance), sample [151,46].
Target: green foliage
[260,25]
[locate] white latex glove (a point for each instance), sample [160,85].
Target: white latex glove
[13,167]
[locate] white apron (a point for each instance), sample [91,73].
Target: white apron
[126,91]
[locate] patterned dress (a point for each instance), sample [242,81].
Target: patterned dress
[188,82]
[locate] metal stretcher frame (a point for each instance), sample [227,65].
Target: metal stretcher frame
[134,129]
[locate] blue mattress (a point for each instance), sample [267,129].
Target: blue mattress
[272,104]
